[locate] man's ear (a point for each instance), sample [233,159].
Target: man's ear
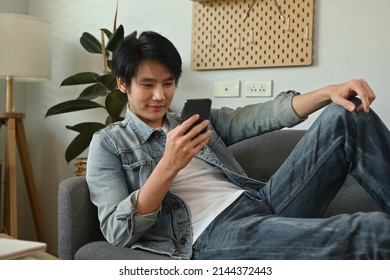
[121,85]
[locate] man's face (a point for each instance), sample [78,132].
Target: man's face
[151,92]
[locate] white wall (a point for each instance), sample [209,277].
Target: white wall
[351,40]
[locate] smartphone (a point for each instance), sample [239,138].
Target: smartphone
[197,106]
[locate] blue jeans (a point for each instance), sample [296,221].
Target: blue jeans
[284,220]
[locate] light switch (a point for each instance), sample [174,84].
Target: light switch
[227,89]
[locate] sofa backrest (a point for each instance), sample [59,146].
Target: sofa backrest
[261,156]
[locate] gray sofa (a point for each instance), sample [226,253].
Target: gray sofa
[78,227]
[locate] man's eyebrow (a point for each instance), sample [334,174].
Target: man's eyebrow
[147,79]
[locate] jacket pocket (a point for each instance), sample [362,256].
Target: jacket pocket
[137,166]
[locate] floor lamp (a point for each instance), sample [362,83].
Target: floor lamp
[25,56]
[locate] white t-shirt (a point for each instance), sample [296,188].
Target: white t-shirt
[206,191]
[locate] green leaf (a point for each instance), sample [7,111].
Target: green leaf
[90,43]
[71,106]
[108,81]
[107,32]
[79,144]
[104,83]
[86,127]
[81,141]
[80,79]
[115,102]
[109,64]
[93,92]
[133,34]
[111,119]
[115,38]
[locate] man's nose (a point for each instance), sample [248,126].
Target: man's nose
[158,93]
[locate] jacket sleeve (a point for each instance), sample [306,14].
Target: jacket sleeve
[234,125]
[120,222]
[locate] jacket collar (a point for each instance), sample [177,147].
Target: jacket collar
[144,131]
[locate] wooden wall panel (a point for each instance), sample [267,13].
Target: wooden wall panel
[223,37]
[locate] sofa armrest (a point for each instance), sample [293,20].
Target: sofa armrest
[77,217]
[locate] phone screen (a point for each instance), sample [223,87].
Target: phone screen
[197,106]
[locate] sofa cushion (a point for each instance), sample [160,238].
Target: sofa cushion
[350,199]
[102,250]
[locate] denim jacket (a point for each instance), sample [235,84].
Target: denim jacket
[124,154]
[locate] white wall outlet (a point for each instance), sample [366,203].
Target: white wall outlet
[227,89]
[258,88]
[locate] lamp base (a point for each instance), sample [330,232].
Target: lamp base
[15,136]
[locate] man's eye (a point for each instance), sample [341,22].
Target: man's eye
[148,85]
[168,84]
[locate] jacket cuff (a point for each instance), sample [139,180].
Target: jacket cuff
[284,110]
[138,223]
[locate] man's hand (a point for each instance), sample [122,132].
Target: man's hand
[308,103]
[181,148]
[340,93]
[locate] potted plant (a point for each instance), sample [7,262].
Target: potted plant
[98,86]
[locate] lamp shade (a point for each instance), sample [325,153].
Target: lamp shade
[25,48]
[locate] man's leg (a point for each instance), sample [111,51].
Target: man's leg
[248,230]
[337,144]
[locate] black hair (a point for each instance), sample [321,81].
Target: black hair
[150,46]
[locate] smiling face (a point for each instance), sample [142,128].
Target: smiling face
[150,93]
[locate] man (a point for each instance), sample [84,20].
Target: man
[184,195]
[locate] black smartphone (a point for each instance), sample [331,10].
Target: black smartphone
[197,106]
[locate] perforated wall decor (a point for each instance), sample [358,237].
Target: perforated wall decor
[250,34]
